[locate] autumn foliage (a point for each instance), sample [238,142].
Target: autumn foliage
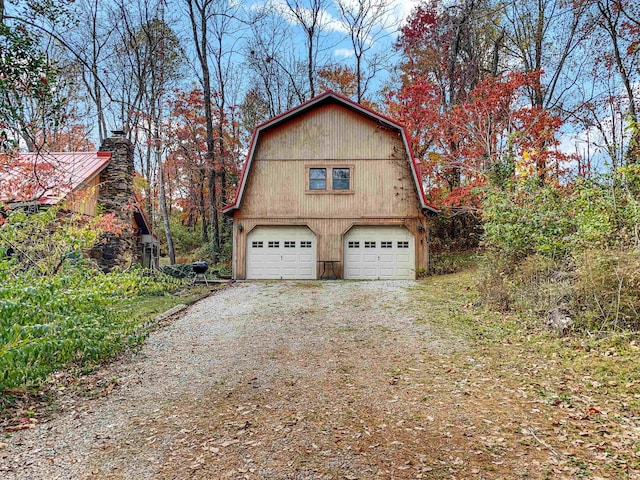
[462,146]
[469,124]
[188,168]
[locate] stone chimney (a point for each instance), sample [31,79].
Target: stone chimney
[116,249]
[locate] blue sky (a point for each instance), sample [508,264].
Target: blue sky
[335,44]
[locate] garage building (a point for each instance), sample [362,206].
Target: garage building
[330,190]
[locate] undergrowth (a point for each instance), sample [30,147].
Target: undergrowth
[57,310]
[568,252]
[611,359]
[77,318]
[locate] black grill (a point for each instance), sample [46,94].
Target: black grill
[200,268]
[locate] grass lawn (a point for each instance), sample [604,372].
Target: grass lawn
[583,392]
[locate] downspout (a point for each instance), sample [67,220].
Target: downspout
[428,239]
[234,249]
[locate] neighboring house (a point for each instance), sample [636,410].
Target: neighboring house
[88,183]
[330,187]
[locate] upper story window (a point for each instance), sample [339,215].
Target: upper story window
[329,179]
[341,179]
[317,179]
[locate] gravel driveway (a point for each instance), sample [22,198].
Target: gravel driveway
[278,380]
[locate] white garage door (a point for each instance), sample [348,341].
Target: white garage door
[281,253]
[379,253]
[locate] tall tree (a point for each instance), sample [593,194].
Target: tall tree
[277,76]
[158,35]
[90,44]
[616,18]
[545,36]
[226,27]
[30,87]
[188,152]
[368,22]
[310,17]
[447,51]
[200,13]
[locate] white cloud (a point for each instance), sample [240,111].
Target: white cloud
[399,14]
[343,52]
[326,19]
[333,24]
[403,9]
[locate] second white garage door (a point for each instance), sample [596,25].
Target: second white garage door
[281,252]
[379,253]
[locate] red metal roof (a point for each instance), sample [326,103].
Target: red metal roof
[47,177]
[328,96]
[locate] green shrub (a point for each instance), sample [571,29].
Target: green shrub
[607,289]
[577,247]
[47,322]
[43,241]
[528,221]
[55,309]
[186,239]
[179,270]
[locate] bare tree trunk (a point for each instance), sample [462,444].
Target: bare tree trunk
[198,17]
[97,86]
[163,202]
[310,69]
[202,207]
[367,21]
[157,89]
[310,19]
[497,45]
[611,16]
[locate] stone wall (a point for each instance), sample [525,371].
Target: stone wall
[117,249]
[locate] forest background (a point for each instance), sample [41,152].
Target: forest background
[523,115]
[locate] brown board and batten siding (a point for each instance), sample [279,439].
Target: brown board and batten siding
[85,200]
[332,135]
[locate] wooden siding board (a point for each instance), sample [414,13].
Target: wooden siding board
[85,200]
[330,131]
[380,187]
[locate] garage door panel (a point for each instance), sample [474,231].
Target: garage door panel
[272,257]
[368,271]
[281,252]
[383,252]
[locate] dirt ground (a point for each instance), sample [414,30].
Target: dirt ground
[310,380]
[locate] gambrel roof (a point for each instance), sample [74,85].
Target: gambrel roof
[326,98]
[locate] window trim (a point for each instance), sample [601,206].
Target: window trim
[329,179]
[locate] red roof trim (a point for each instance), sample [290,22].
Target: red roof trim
[307,105]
